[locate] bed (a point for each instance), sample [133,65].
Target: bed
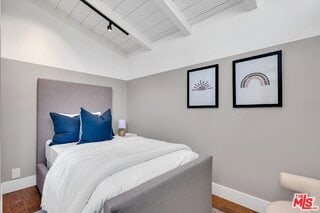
[186,188]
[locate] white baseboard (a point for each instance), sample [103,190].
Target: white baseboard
[15,185]
[240,198]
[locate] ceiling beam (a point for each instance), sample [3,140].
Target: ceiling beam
[136,35]
[251,4]
[175,15]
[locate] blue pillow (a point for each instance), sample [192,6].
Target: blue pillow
[95,128]
[66,129]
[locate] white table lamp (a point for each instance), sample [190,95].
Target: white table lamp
[121,127]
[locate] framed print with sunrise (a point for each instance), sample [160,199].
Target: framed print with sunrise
[257,81]
[203,87]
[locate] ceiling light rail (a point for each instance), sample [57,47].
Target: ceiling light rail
[105,17]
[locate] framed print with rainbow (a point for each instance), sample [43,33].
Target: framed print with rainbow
[203,87]
[257,81]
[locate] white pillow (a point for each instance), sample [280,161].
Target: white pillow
[72,115]
[69,115]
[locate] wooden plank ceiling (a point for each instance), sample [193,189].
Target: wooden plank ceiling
[145,16]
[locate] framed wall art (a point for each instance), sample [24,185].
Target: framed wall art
[203,87]
[257,81]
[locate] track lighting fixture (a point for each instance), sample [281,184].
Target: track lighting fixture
[109,28]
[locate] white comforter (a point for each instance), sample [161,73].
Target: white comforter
[83,177]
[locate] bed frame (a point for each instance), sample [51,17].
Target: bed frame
[186,189]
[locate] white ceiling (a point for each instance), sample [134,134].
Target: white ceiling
[144,16]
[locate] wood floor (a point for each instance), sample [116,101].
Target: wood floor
[22,201]
[228,206]
[28,201]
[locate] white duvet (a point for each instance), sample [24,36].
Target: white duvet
[83,177]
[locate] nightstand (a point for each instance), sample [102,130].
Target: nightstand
[128,134]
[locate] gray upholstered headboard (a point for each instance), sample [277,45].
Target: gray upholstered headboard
[65,97]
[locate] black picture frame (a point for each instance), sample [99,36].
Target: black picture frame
[216,87]
[279,80]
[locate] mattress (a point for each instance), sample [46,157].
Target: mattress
[52,152]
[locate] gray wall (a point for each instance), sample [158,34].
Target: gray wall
[18,109]
[250,147]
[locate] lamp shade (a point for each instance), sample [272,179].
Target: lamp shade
[121,124]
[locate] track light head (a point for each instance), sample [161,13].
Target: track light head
[104,17]
[109,28]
